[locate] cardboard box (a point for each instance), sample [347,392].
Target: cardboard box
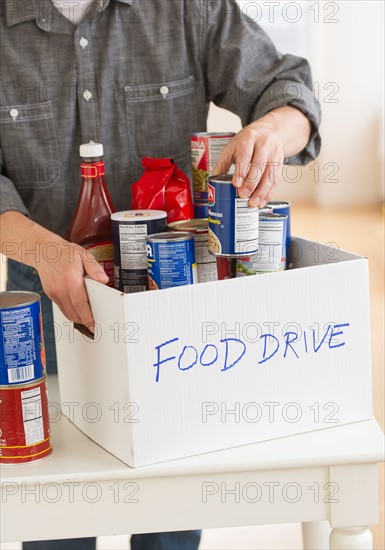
[188,370]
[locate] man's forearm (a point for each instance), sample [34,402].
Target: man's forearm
[23,240]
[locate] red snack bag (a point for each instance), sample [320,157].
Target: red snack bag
[163,186]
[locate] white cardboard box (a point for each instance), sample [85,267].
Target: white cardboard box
[136,391]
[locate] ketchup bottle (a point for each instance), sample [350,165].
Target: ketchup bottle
[91,225]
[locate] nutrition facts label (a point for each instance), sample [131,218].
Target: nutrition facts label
[133,246]
[32,416]
[270,254]
[206,262]
[175,265]
[19,344]
[246,227]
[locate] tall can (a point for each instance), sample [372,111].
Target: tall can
[22,357]
[206,148]
[171,260]
[283,207]
[272,247]
[130,230]
[233,223]
[206,264]
[24,423]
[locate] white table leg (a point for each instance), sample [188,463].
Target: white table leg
[316,535]
[351,538]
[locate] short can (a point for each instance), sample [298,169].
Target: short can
[24,423]
[206,148]
[283,207]
[130,230]
[272,247]
[206,264]
[171,260]
[233,223]
[22,356]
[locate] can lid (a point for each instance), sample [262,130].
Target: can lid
[197,225]
[170,236]
[138,216]
[222,178]
[91,149]
[278,204]
[273,216]
[14,298]
[213,134]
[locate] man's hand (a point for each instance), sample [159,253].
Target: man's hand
[61,265]
[258,152]
[62,281]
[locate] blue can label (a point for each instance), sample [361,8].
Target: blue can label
[283,208]
[201,210]
[233,224]
[22,357]
[171,263]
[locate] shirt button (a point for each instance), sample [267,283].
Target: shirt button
[87,95]
[14,113]
[164,90]
[83,42]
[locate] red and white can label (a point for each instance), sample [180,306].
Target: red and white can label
[24,423]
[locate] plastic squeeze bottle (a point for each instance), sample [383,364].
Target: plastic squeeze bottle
[91,225]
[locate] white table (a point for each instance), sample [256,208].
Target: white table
[81,490]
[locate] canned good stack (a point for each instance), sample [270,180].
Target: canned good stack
[25,430]
[227,239]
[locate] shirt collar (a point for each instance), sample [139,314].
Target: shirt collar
[29,10]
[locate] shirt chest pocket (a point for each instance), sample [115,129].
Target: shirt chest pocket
[159,118]
[29,145]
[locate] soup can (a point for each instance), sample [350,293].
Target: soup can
[171,260]
[272,247]
[24,423]
[130,230]
[206,264]
[206,148]
[283,207]
[22,356]
[233,223]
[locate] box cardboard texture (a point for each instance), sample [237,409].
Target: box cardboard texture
[188,370]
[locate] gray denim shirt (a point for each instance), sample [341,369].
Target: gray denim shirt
[136,76]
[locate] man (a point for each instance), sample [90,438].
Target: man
[137,77]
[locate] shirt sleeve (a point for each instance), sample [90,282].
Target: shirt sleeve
[248,76]
[9,197]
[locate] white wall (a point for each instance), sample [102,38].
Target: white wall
[344,42]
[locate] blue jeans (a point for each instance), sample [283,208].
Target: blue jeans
[22,277]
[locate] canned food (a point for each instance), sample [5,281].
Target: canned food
[226,267]
[171,260]
[130,230]
[233,223]
[272,247]
[24,423]
[206,148]
[206,264]
[22,357]
[283,207]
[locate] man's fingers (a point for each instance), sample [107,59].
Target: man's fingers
[93,268]
[266,185]
[80,304]
[255,172]
[65,305]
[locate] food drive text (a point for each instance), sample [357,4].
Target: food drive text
[228,353]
